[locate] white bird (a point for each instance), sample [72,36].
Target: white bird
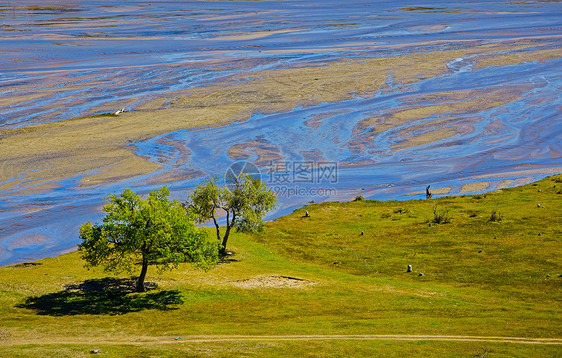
[120,111]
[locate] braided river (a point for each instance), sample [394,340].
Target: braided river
[327,99]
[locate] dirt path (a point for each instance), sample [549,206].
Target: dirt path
[237,338]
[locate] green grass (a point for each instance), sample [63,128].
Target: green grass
[481,277]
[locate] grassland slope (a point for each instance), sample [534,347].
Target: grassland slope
[330,284]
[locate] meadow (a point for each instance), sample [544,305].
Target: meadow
[330,284]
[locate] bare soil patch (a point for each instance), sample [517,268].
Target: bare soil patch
[273,281]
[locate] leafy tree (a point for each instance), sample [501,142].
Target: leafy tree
[245,204]
[153,231]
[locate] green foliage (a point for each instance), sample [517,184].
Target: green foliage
[245,204]
[152,231]
[359,198]
[442,217]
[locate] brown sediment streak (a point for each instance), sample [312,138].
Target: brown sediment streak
[528,40]
[452,117]
[555,170]
[518,57]
[314,155]
[72,147]
[430,136]
[265,151]
[28,240]
[234,16]
[175,175]
[316,121]
[253,35]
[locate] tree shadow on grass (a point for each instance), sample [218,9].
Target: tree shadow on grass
[111,296]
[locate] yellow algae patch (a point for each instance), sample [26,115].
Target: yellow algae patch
[472,187]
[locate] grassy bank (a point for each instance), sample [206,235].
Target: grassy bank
[340,271]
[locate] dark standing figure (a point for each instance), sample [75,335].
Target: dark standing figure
[428,194]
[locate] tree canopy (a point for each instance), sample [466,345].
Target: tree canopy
[245,204]
[152,231]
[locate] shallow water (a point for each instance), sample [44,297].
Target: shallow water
[58,62]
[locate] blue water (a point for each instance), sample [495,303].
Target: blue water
[61,61]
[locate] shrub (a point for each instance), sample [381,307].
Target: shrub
[441,217]
[359,198]
[496,216]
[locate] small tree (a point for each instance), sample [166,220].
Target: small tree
[245,203]
[152,231]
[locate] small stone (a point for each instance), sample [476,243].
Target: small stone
[547,275]
[362,233]
[495,237]
[177,338]
[409,268]
[306,215]
[540,233]
[538,205]
[94,351]
[540,190]
[479,251]
[229,253]
[421,274]
[429,225]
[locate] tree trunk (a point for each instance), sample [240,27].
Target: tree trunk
[229,225]
[140,280]
[225,240]
[218,229]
